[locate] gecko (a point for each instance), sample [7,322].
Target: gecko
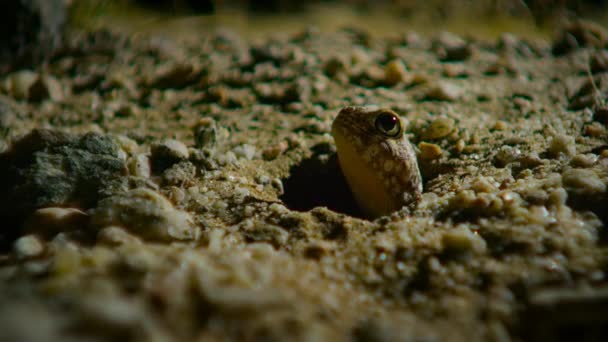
[377,159]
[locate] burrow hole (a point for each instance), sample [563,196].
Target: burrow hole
[318,182]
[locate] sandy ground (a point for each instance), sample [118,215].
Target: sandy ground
[159,190]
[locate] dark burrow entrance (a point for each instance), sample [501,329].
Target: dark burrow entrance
[318,182]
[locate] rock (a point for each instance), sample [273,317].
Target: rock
[453,70]
[28,246]
[32,30]
[601,115]
[139,165]
[590,93]
[444,91]
[31,86]
[205,133]
[273,151]
[439,128]
[265,232]
[583,182]
[176,75]
[116,236]
[395,72]
[52,169]
[8,115]
[584,160]
[429,151]
[462,240]
[147,214]
[579,34]
[562,144]
[166,153]
[335,66]
[245,151]
[450,47]
[52,220]
[599,61]
[180,174]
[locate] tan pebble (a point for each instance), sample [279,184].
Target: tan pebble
[558,197]
[562,145]
[116,236]
[594,129]
[127,144]
[395,72]
[460,144]
[170,148]
[21,82]
[28,246]
[583,182]
[510,197]
[483,184]
[500,125]
[245,151]
[274,151]
[419,79]
[429,151]
[454,70]
[604,153]
[584,160]
[444,91]
[146,213]
[139,165]
[317,250]
[462,240]
[54,88]
[55,219]
[205,133]
[439,128]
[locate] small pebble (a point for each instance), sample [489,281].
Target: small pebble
[594,129]
[205,133]
[116,236]
[500,125]
[272,152]
[444,91]
[439,128]
[455,70]
[277,184]
[146,213]
[450,47]
[28,246]
[394,72]
[562,145]
[245,151]
[462,240]
[583,182]
[139,165]
[429,151]
[584,160]
[52,220]
[166,153]
[22,85]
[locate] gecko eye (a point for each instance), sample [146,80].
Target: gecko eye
[388,124]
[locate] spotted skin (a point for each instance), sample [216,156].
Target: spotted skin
[381,170]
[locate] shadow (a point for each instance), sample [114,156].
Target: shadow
[318,182]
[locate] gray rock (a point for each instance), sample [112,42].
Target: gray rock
[48,168]
[31,30]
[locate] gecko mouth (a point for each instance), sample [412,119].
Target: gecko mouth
[318,182]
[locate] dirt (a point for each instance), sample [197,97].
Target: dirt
[155,189]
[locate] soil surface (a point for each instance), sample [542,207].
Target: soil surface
[159,190]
